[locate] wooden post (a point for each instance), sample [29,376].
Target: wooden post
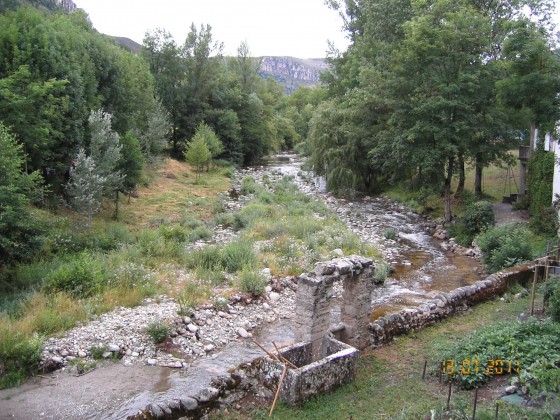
[533,289]
[474,405]
[449,394]
[497,411]
[278,390]
[424,371]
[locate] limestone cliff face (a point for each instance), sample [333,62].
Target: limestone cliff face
[293,72]
[66,5]
[296,68]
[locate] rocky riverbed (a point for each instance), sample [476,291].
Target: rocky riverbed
[203,336]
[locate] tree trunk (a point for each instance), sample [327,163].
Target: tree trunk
[447,189]
[461,185]
[478,177]
[117,205]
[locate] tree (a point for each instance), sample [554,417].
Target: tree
[85,186]
[105,151]
[20,235]
[197,153]
[153,140]
[130,165]
[214,144]
[532,85]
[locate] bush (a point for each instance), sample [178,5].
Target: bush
[158,331]
[382,270]
[525,345]
[80,277]
[237,255]
[252,281]
[552,296]
[207,258]
[390,234]
[478,217]
[20,355]
[505,246]
[249,186]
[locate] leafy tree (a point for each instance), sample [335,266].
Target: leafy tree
[85,186]
[197,153]
[20,235]
[130,165]
[153,140]
[105,151]
[533,84]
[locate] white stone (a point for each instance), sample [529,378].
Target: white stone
[266,306]
[187,320]
[82,353]
[268,289]
[274,297]
[113,347]
[208,348]
[151,362]
[242,332]
[192,328]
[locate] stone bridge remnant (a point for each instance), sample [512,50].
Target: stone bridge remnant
[313,302]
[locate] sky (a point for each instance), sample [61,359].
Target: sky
[298,28]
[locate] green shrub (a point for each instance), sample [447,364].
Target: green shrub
[539,181]
[225,219]
[158,331]
[552,297]
[207,258]
[130,275]
[80,277]
[505,246]
[517,345]
[249,186]
[199,233]
[478,217]
[382,270]
[20,355]
[252,281]
[390,234]
[238,254]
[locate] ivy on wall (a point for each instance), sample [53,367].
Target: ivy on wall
[540,178]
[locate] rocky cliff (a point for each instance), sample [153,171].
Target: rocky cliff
[293,72]
[66,5]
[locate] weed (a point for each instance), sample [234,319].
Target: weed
[238,254]
[158,331]
[390,234]
[382,270]
[252,281]
[20,354]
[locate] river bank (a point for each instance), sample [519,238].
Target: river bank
[216,337]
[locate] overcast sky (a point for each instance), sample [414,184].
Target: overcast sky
[298,28]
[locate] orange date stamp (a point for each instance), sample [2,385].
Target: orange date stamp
[473,367]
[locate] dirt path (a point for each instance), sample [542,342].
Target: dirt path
[503,213]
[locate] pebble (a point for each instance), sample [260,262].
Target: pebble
[82,354]
[113,348]
[274,297]
[242,332]
[151,362]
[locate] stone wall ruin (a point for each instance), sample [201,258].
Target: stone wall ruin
[313,302]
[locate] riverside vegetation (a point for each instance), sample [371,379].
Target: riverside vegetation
[443,83]
[95,271]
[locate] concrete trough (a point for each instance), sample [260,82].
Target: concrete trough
[335,368]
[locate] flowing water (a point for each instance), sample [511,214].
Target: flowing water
[421,268]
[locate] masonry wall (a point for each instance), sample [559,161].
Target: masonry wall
[384,329]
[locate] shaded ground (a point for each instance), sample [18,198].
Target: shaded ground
[503,213]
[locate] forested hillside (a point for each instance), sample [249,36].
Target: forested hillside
[427,87]
[83,117]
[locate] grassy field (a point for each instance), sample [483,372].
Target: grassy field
[389,381]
